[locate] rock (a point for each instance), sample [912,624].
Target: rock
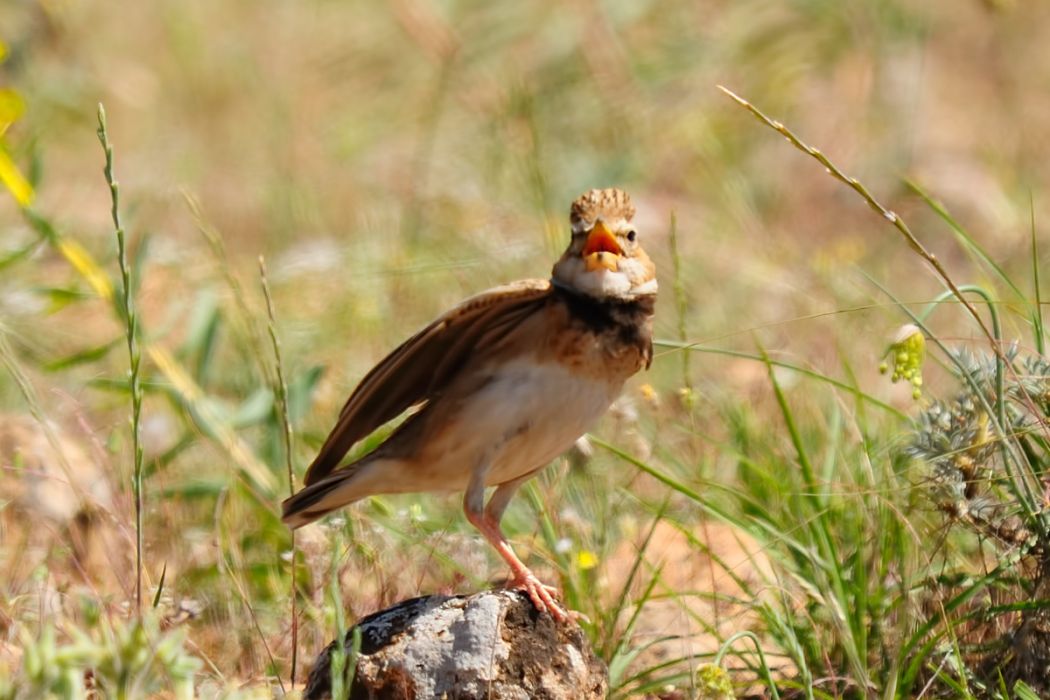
[492,645]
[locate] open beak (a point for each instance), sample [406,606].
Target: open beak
[601,249]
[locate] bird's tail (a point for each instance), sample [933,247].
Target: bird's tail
[331,493]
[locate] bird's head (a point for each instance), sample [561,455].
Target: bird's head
[605,259]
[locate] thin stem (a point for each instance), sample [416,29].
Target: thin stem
[680,302]
[898,223]
[805,371]
[1040,340]
[727,645]
[860,189]
[281,390]
[1000,364]
[214,240]
[242,591]
[131,323]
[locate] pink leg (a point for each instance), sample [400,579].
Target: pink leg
[524,579]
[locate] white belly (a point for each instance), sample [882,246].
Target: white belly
[556,408]
[527,415]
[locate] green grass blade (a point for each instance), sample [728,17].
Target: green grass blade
[968,241]
[1040,335]
[805,371]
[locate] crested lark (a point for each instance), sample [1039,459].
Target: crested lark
[504,382]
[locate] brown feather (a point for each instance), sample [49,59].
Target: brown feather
[424,364]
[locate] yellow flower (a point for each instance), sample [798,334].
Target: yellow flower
[908,352]
[586,560]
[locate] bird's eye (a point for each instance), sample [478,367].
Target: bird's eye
[631,235]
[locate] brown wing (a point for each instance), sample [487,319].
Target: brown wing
[424,364]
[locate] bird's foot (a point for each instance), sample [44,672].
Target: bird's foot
[542,595]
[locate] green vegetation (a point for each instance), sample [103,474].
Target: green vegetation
[763,511]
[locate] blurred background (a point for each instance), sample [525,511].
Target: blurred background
[388,160]
[370,151]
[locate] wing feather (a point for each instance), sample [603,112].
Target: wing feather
[424,364]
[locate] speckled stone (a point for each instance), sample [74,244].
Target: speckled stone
[491,645]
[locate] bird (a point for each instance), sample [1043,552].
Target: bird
[500,385]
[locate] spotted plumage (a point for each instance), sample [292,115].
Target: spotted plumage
[502,383]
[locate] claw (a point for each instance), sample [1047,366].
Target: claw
[542,596]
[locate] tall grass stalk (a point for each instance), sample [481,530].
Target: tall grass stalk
[681,305]
[214,240]
[280,386]
[1040,335]
[216,427]
[914,243]
[130,319]
[234,572]
[1011,453]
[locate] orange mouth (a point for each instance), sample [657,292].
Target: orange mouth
[601,249]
